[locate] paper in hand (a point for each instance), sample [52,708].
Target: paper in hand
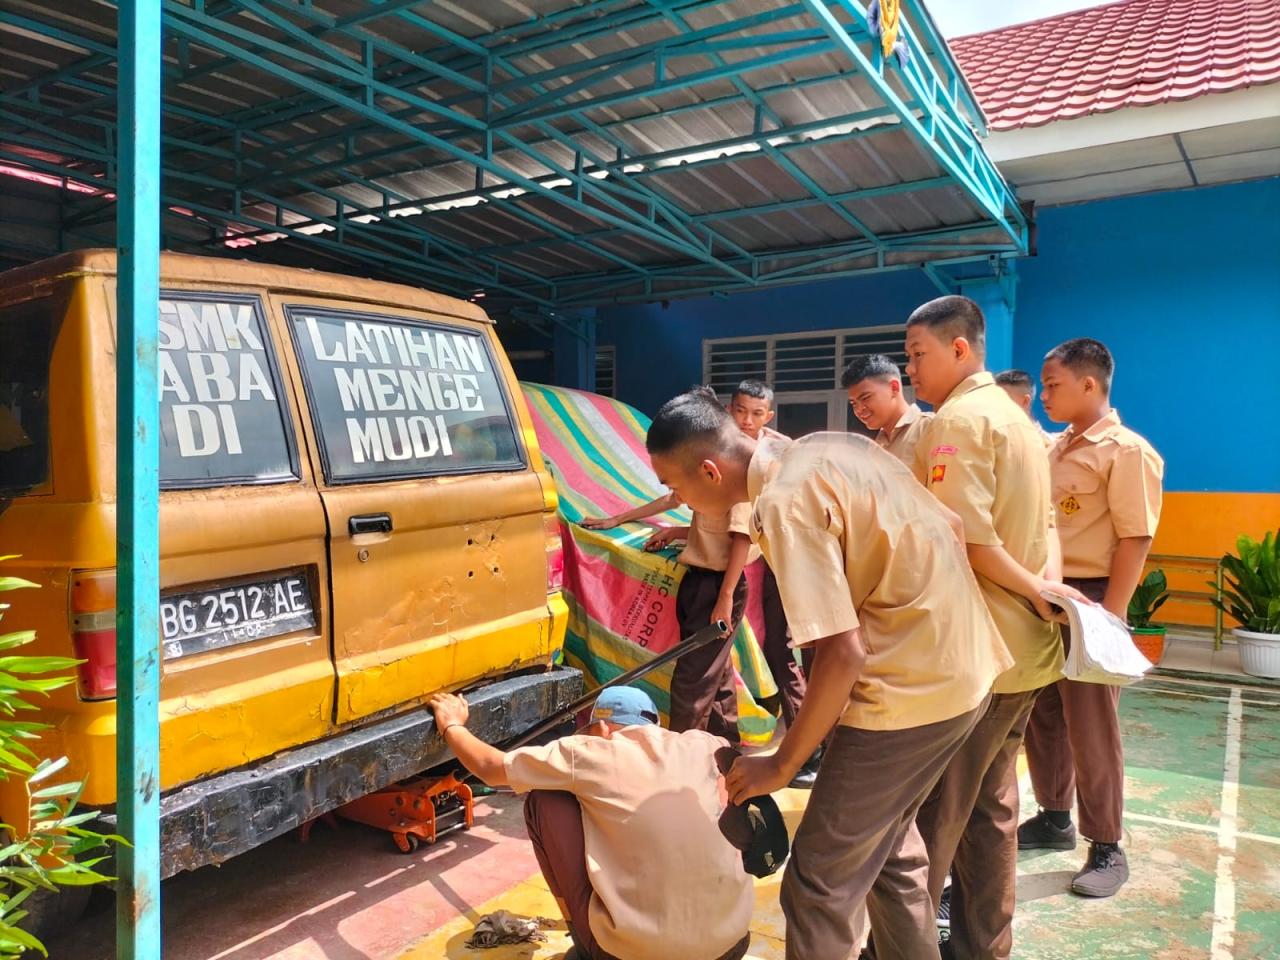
[1102,649]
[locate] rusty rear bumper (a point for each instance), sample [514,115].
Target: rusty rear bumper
[217,818]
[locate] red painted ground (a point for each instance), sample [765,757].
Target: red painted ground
[343,896]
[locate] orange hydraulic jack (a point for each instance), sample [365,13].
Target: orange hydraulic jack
[416,809]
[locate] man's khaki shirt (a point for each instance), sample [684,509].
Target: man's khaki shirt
[983,457]
[710,538]
[1107,485]
[854,542]
[904,438]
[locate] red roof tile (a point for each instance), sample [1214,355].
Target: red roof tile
[1132,53]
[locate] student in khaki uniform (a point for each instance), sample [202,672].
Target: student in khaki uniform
[873,574]
[751,407]
[1021,390]
[1107,491]
[628,823]
[982,457]
[704,694]
[875,394]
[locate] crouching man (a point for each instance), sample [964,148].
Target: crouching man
[624,819]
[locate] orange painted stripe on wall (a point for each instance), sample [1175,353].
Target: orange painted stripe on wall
[1207,525]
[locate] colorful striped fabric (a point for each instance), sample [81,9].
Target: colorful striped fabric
[622,599]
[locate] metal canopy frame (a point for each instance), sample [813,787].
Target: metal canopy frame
[592,153]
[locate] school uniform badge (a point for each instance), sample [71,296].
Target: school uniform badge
[1069,504]
[938,474]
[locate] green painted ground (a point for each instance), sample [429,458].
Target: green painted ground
[1198,888]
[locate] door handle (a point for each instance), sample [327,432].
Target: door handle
[369,523]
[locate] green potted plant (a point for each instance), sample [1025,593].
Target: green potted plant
[1252,596]
[1149,597]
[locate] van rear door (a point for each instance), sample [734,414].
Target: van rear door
[436,533]
[244,567]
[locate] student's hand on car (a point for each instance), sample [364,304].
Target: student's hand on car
[662,538]
[1049,611]
[598,523]
[449,709]
[723,610]
[755,777]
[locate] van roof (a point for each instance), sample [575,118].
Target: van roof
[224,273]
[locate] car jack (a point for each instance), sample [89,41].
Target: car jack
[416,810]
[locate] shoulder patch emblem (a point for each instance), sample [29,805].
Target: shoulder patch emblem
[938,474]
[1069,504]
[943,450]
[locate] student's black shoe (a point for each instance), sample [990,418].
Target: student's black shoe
[808,775]
[944,910]
[1041,833]
[1105,872]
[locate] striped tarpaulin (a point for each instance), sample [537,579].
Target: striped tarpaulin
[622,599]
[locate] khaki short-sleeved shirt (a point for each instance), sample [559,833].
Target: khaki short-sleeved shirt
[665,881]
[854,542]
[710,538]
[904,438]
[984,458]
[1107,485]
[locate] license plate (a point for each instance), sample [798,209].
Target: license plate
[196,621]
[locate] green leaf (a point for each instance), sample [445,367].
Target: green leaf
[37,664]
[48,768]
[16,639]
[16,583]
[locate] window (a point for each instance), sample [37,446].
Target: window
[803,369]
[221,419]
[606,371]
[26,330]
[796,362]
[394,398]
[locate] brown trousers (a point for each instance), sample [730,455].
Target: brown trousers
[554,821]
[970,828]
[703,693]
[787,673]
[1074,750]
[858,841]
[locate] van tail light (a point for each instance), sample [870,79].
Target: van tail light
[93,632]
[555,552]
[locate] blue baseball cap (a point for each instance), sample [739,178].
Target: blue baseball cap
[625,706]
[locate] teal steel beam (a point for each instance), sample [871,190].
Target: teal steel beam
[662,207]
[138,484]
[958,163]
[766,280]
[186,22]
[382,250]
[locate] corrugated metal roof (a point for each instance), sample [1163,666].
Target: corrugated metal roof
[553,151]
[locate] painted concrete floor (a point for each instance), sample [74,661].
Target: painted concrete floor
[1202,836]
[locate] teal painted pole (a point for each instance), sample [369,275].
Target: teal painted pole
[138,482]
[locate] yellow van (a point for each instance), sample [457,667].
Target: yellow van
[354,514]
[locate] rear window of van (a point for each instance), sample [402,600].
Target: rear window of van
[222,411]
[26,333]
[394,398]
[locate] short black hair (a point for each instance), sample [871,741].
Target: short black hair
[1016,378]
[952,317]
[1086,357]
[755,388]
[696,418]
[873,365]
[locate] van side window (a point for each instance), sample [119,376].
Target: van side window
[26,332]
[394,398]
[221,415]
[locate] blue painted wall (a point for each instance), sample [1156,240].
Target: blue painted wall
[659,350]
[1183,286]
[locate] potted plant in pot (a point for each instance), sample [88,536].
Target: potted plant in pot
[1252,596]
[1149,597]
